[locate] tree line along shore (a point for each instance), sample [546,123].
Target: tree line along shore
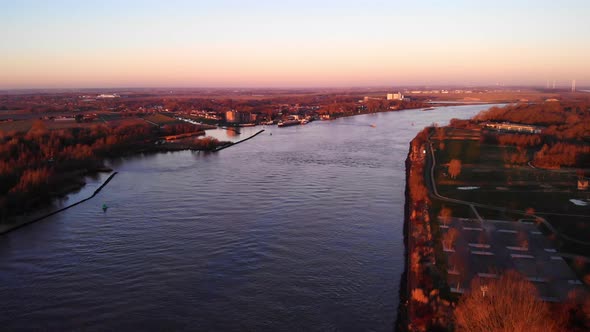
[40,164]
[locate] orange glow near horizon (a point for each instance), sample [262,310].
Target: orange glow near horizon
[264,43]
[337,66]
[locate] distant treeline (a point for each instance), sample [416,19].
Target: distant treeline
[267,107]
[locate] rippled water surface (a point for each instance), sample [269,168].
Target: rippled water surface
[298,230]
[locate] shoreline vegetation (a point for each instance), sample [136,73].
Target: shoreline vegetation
[41,165]
[493,155]
[11,225]
[8,227]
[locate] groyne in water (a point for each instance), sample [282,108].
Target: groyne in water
[240,141]
[11,227]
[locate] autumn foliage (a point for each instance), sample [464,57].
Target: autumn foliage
[562,154]
[426,310]
[543,114]
[564,141]
[454,168]
[508,304]
[36,165]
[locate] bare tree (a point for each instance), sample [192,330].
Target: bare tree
[454,168]
[508,304]
[449,238]
[445,215]
[523,240]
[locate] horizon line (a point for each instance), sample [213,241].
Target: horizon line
[300,87]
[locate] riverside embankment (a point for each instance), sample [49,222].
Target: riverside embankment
[425,305]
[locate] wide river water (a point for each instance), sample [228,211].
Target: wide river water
[299,228]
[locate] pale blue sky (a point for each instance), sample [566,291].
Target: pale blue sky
[224,42]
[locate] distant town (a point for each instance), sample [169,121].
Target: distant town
[237,107]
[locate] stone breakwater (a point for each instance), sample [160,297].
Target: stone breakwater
[5,228]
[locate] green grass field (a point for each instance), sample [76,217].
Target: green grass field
[18,126]
[487,178]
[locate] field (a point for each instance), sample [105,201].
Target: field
[486,178]
[18,126]
[160,119]
[112,119]
[502,95]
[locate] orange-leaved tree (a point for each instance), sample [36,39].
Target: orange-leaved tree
[510,303]
[454,168]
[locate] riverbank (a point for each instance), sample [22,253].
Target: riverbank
[424,304]
[8,227]
[76,183]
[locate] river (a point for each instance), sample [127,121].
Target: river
[299,228]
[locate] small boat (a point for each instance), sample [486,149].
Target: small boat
[373,125]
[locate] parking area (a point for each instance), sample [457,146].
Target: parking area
[487,248]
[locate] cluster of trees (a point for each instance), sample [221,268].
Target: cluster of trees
[512,303]
[564,120]
[565,141]
[205,143]
[520,140]
[519,157]
[575,128]
[35,164]
[351,107]
[563,154]
[178,128]
[544,114]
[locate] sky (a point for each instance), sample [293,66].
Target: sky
[303,43]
